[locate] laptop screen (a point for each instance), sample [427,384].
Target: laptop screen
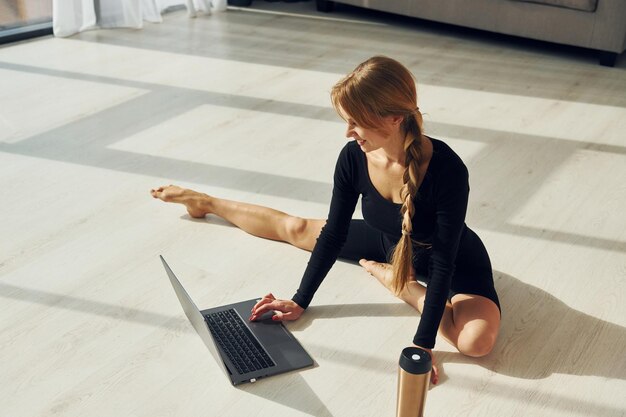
[194,316]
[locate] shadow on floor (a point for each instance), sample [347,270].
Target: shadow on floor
[290,390]
[540,335]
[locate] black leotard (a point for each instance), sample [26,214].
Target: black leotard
[456,263]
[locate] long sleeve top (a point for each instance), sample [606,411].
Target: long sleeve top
[438,220]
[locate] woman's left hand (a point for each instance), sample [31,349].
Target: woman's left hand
[434,374]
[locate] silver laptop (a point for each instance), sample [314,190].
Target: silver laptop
[246,351]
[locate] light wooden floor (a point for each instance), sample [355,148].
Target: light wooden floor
[237,105]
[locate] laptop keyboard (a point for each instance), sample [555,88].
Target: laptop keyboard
[237,342]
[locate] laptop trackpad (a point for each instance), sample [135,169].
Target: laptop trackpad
[270,332]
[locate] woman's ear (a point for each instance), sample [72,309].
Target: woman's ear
[396,120]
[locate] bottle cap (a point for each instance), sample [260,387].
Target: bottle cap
[415,360]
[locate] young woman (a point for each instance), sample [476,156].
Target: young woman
[413,238]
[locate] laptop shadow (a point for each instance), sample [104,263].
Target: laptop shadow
[290,390]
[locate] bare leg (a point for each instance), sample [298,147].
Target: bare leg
[470,322]
[259,221]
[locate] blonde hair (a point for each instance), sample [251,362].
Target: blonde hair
[377,88]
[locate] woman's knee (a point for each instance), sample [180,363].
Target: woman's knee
[302,232]
[476,343]
[477,322]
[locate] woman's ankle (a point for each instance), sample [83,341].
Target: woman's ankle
[201,202]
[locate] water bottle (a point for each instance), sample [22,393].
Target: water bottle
[413,380]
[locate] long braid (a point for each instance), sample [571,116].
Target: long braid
[402,259]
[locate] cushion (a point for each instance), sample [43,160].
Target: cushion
[584,5]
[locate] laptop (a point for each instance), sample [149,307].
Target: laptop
[245,351]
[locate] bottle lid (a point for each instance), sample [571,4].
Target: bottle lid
[415,360]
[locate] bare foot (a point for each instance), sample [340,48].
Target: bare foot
[175,194]
[382,272]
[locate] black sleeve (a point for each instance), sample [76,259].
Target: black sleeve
[334,232]
[450,208]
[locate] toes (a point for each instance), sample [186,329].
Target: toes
[367,265]
[373,268]
[380,271]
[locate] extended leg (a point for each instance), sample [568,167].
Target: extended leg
[257,220]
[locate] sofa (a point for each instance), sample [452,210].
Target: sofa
[594,24]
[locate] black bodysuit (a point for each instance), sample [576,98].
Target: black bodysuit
[457,262]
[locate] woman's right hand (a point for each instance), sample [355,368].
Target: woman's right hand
[434,374]
[284,310]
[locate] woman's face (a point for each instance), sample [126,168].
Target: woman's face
[369,139]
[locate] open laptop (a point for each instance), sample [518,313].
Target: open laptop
[246,351]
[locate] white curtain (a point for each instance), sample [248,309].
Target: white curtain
[72,16]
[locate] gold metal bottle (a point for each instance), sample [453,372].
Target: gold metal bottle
[413,381]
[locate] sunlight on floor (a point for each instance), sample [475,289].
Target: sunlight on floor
[75,99]
[207,134]
[564,194]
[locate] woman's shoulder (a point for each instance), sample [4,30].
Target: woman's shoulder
[441,148]
[352,147]
[349,164]
[350,153]
[445,159]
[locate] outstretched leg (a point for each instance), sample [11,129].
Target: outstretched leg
[257,220]
[470,322]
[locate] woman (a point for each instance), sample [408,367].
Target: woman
[414,194]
